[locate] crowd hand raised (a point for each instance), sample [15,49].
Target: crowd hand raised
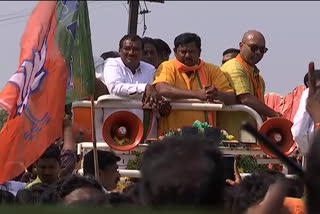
[237,175]
[67,122]
[313,100]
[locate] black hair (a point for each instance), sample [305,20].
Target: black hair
[131,37]
[105,159]
[231,50]
[162,46]
[32,195]
[109,54]
[75,182]
[56,193]
[53,151]
[118,199]
[251,190]
[182,171]
[187,38]
[295,187]
[148,40]
[7,197]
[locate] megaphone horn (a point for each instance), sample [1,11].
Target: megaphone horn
[278,130]
[122,130]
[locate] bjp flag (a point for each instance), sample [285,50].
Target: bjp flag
[55,67]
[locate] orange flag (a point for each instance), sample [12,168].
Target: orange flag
[35,95]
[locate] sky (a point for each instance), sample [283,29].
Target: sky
[291,30]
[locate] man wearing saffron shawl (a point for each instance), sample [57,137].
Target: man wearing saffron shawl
[244,76]
[189,77]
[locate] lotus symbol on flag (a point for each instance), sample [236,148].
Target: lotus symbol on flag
[29,77]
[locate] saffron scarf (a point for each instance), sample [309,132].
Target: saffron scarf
[257,87]
[203,82]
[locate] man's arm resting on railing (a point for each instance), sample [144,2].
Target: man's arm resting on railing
[172,92]
[251,101]
[228,98]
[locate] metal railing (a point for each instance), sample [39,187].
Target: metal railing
[114,102]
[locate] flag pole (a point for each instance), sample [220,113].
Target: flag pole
[94,141]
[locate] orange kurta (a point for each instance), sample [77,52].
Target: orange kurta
[168,73]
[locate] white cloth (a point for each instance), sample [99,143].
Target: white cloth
[122,82]
[13,186]
[99,65]
[302,128]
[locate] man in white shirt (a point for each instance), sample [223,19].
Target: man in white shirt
[128,76]
[302,128]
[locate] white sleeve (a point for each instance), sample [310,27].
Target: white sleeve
[301,124]
[117,84]
[99,65]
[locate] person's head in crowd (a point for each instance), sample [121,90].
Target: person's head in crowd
[119,199]
[109,54]
[48,165]
[163,50]
[313,176]
[7,198]
[187,49]
[150,52]
[228,54]
[79,190]
[296,187]
[24,196]
[251,191]
[182,171]
[108,168]
[252,47]
[130,50]
[75,190]
[31,195]
[132,192]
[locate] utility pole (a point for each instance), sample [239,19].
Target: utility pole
[133,16]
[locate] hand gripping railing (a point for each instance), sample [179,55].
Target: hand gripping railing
[114,102]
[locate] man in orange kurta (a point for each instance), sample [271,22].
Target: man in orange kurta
[188,77]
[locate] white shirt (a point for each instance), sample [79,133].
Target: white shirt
[302,128]
[99,66]
[13,186]
[122,82]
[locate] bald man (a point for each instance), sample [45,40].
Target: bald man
[244,76]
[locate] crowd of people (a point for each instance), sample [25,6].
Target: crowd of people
[185,170]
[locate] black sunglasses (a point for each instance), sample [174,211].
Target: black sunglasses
[254,48]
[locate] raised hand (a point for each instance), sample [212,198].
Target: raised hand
[313,101]
[237,175]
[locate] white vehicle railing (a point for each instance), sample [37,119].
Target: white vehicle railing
[114,102]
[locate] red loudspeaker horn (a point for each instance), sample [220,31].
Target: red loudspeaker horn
[122,130]
[278,130]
